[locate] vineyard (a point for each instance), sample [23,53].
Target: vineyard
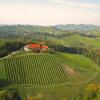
[48,69]
[34,69]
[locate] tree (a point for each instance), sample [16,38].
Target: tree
[91,91]
[12,95]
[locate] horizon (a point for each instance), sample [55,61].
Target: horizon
[50,12]
[45,25]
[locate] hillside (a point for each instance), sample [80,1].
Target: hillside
[10,30]
[60,75]
[74,40]
[56,63]
[46,71]
[77,28]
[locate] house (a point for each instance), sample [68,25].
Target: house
[44,48]
[32,46]
[35,47]
[26,48]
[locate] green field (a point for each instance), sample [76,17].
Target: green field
[75,39]
[49,76]
[48,69]
[56,76]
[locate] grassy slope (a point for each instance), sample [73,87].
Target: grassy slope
[71,40]
[79,60]
[84,68]
[66,91]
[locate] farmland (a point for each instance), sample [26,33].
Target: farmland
[33,69]
[59,75]
[74,39]
[47,71]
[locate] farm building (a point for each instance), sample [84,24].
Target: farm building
[35,47]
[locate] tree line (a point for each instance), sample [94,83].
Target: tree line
[10,46]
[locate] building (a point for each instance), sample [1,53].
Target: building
[35,47]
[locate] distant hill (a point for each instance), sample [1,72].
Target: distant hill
[60,34]
[79,27]
[57,29]
[29,29]
[75,40]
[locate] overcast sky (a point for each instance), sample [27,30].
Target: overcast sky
[50,12]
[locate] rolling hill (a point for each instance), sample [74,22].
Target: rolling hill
[77,39]
[31,68]
[78,28]
[57,76]
[48,73]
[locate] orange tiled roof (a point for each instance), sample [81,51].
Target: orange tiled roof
[45,47]
[34,45]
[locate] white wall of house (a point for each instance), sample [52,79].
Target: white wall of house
[26,49]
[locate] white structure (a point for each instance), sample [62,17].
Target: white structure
[26,48]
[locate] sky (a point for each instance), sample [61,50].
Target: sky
[50,12]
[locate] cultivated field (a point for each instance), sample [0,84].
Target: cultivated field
[48,69]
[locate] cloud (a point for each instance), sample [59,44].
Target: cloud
[91,5]
[76,3]
[46,14]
